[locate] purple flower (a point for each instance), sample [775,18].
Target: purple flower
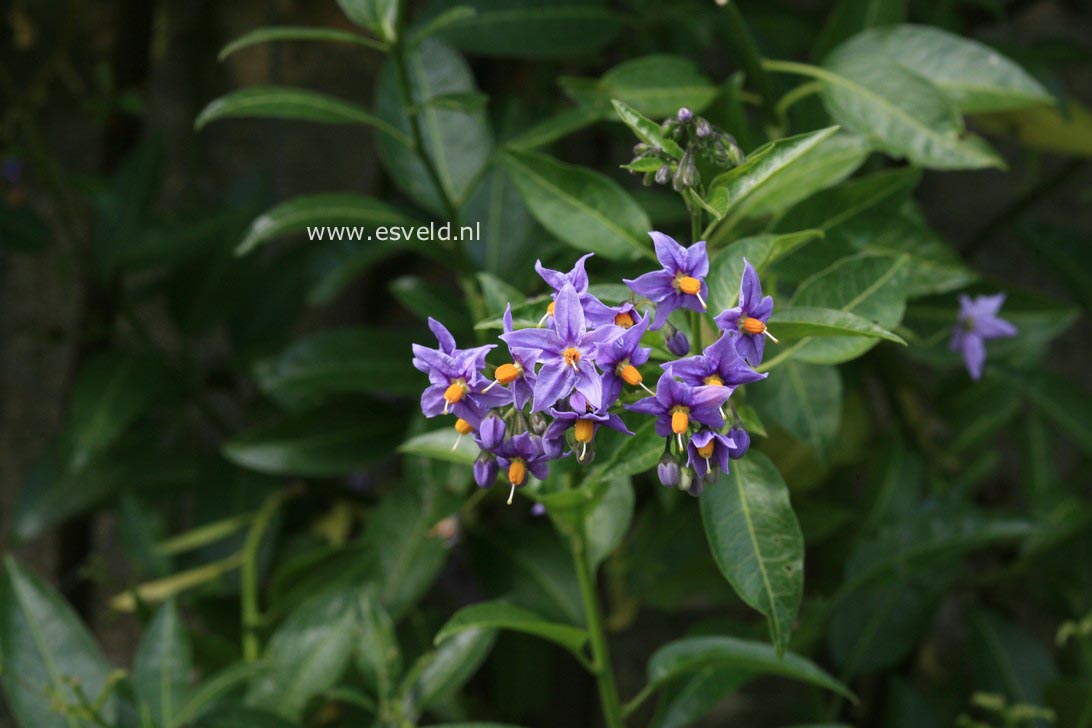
[707,447]
[596,312]
[748,318]
[485,470]
[668,471]
[978,322]
[568,352]
[676,404]
[619,360]
[676,342]
[720,366]
[681,283]
[456,383]
[520,373]
[585,421]
[521,454]
[742,442]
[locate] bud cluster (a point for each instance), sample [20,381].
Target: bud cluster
[699,140]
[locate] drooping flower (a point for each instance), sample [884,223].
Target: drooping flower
[978,323]
[619,360]
[668,471]
[742,440]
[456,382]
[748,317]
[519,374]
[521,454]
[676,341]
[625,315]
[706,449]
[720,365]
[681,282]
[568,352]
[584,420]
[676,404]
[596,312]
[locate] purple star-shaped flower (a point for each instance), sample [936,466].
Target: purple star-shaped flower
[681,283]
[707,447]
[568,352]
[748,317]
[456,383]
[521,454]
[520,374]
[978,323]
[596,312]
[619,359]
[585,420]
[676,404]
[719,365]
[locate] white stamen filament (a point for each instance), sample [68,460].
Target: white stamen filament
[542,320]
[583,451]
[644,386]
[495,383]
[701,300]
[511,494]
[772,337]
[447,406]
[457,441]
[679,435]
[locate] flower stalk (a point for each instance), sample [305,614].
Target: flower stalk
[601,662]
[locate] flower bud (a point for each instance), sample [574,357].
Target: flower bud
[677,343]
[491,432]
[684,115]
[640,148]
[686,174]
[739,436]
[703,129]
[485,470]
[663,174]
[668,470]
[538,423]
[538,510]
[686,478]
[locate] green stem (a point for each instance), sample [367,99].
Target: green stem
[638,700]
[252,617]
[800,92]
[601,665]
[695,317]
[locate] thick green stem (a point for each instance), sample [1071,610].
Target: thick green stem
[601,665]
[251,615]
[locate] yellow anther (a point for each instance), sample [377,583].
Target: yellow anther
[572,356]
[680,420]
[463,427]
[630,375]
[714,380]
[517,472]
[550,308]
[706,451]
[689,285]
[455,391]
[508,373]
[624,319]
[752,326]
[584,430]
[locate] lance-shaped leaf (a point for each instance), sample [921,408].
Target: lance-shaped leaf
[442,445]
[259,36]
[687,655]
[656,85]
[161,671]
[795,322]
[379,16]
[756,541]
[806,400]
[439,673]
[645,129]
[762,251]
[501,615]
[377,654]
[277,102]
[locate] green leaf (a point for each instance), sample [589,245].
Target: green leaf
[326,211]
[46,648]
[534,28]
[553,128]
[497,293]
[212,688]
[581,207]
[335,440]
[850,17]
[606,523]
[762,251]
[378,657]
[974,77]
[277,102]
[691,697]
[458,142]
[161,670]
[657,85]
[441,672]
[442,444]
[297,33]
[763,178]
[806,400]
[306,654]
[756,541]
[1064,403]
[1059,131]
[427,300]
[501,615]
[379,16]
[795,322]
[646,130]
[1006,659]
[111,391]
[687,655]
[349,360]
[634,455]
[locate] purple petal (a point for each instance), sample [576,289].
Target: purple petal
[697,260]
[578,276]
[647,406]
[432,400]
[507,319]
[447,341]
[763,309]
[588,384]
[974,355]
[654,286]
[612,388]
[554,382]
[728,320]
[615,423]
[554,279]
[750,289]
[537,339]
[569,317]
[992,327]
[671,255]
[663,310]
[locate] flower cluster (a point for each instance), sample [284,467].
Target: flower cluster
[567,377]
[699,139]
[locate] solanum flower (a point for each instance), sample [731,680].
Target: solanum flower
[585,420]
[707,448]
[681,282]
[568,352]
[676,405]
[749,317]
[519,374]
[596,312]
[742,440]
[521,454]
[619,360]
[676,342]
[457,384]
[719,365]
[978,322]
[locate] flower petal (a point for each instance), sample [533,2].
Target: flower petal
[569,317]
[554,382]
[750,289]
[654,286]
[668,251]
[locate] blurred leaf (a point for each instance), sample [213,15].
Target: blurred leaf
[762,251]
[657,86]
[907,707]
[849,17]
[508,233]
[606,524]
[297,33]
[1061,131]
[1064,403]
[359,360]
[756,541]
[426,300]
[46,648]
[806,400]
[441,445]
[766,176]
[160,590]
[458,142]
[231,716]
[141,528]
[161,669]
[277,102]
[795,322]
[1006,659]
[689,698]
[501,615]
[212,688]
[497,293]
[339,439]
[378,657]
[327,211]
[306,654]
[444,670]
[379,16]
[533,28]
[553,128]
[695,653]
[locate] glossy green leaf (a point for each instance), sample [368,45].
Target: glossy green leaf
[45,649]
[581,207]
[806,399]
[695,653]
[458,142]
[645,129]
[161,670]
[327,211]
[427,301]
[377,654]
[692,696]
[607,522]
[762,251]
[306,654]
[442,445]
[260,36]
[533,28]
[379,16]
[795,322]
[335,440]
[509,235]
[501,615]
[278,102]
[441,672]
[765,177]
[553,128]
[633,455]
[756,541]
[658,85]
